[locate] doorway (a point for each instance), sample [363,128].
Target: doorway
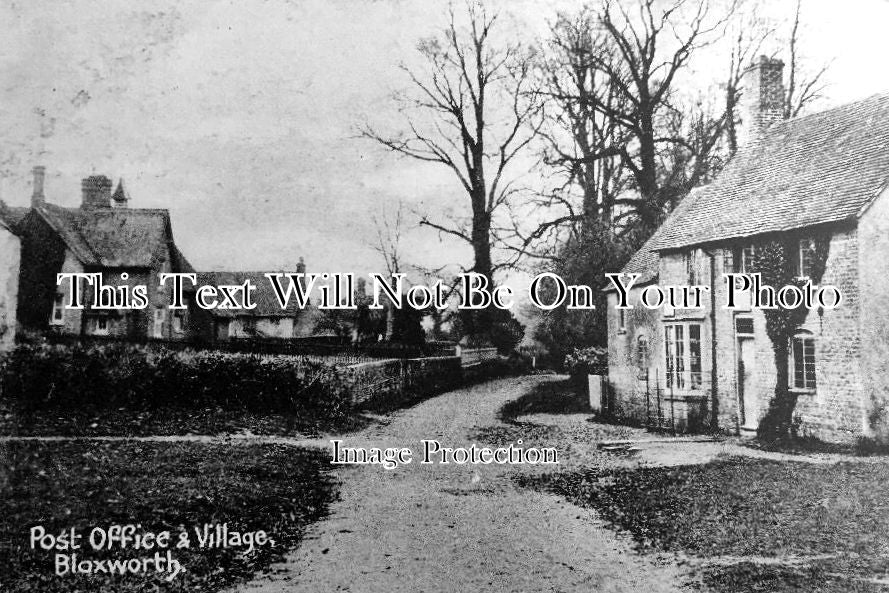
[748,403]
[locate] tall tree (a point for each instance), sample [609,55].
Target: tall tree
[647,50]
[470,110]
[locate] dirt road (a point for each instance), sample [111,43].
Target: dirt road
[461,528]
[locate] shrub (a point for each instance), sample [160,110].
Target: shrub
[137,377]
[587,361]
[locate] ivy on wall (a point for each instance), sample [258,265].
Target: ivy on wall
[774,259]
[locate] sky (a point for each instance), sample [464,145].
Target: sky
[242,117]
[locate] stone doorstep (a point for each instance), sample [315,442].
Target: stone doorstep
[683,439]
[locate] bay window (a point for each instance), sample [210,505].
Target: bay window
[683,356]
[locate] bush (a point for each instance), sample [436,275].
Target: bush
[136,377]
[587,361]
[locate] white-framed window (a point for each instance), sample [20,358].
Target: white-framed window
[805,258]
[691,266]
[642,357]
[58,310]
[748,252]
[103,325]
[157,329]
[728,260]
[178,322]
[621,321]
[683,355]
[802,371]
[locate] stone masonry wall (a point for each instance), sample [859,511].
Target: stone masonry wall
[10,250]
[627,385]
[835,411]
[874,276]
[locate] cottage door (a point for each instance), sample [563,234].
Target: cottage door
[746,384]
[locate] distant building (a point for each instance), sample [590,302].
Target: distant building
[104,234]
[10,254]
[267,320]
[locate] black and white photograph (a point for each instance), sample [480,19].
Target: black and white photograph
[406,296]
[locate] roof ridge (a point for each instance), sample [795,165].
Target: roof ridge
[823,168]
[829,111]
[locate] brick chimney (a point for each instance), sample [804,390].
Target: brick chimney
[96,192]
[763,98]
[37,196]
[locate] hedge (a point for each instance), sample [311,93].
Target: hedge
[136,377]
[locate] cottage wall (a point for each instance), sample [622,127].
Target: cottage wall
[265,327]
[10,255]
[43,255]
[72,319]
[835,411]
[628,382]
[873,265]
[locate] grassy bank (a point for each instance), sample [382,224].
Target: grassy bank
[162,486]
[751,525]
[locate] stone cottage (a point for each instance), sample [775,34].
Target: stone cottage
[267,320]
[713,368]
[104,234]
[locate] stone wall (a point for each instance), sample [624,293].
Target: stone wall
[835,411]
[628,376]
[873,262]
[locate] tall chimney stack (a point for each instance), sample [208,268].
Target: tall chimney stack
[96,192]
[763,98]
[37,196]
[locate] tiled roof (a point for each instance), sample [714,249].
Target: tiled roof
[12,216]
[264,295]
[645,261]
[817,169]
[125,237]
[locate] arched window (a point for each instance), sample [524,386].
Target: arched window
[802,371]
[642,357]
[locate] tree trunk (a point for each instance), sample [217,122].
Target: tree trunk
[778,420]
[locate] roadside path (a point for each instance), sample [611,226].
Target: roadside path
[458,528]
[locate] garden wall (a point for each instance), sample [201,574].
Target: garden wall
[390,383]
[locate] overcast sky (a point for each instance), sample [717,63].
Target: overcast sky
[240,117]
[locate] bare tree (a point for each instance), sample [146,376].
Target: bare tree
[752,34]
[471,111]
[802,89]
[748,35]
[621,147]
[582,145]
[389,228]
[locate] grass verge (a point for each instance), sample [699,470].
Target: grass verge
[753,525]
[168,420]
[162,486]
